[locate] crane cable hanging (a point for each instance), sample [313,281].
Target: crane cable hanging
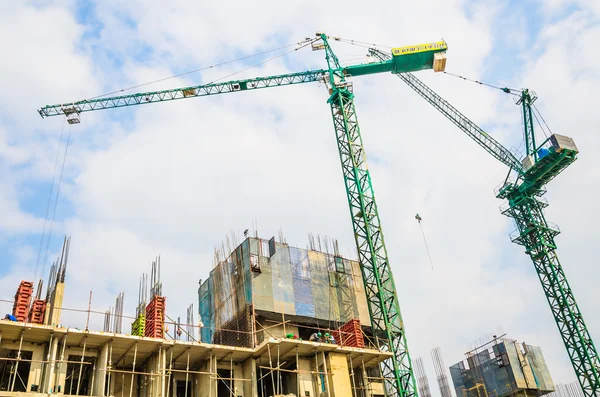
[58,186]
[419,219]
[385,105]
[43,236]
[302,44]
[514,92]
[507,90]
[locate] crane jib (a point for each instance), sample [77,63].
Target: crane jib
[409,61]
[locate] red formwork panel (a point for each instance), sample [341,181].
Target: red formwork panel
[155,317]
[37,312]
[23,300]
[350,334]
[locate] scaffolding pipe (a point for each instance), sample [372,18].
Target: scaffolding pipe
[94,377]
[216,376]
[210,365]
[271,365]
[72,376]
[317,374]
[298,374]
[231,394]
[279,385]
[14,378]
[352,376]
[26,360]
[133,369]
[326,375]
[109,371]
[295,371]
[170,371]
[366,383]
[262,385]
[187,368]
[163,356]
[81,365]
[44,366]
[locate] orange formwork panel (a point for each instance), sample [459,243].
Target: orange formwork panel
[37,312]
[155,317]
[23,300]
[350,334]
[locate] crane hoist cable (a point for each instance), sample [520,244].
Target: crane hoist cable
[385,104]
[62,169]
[514,92]
[43,235]
[216,65]
[539,114]
[542,117]
[507,90]
[362,43]
[261,63]
[419,219]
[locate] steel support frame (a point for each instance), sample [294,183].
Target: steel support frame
[538,239]
[182,93]
[526,101]
[379,283]
[484,140]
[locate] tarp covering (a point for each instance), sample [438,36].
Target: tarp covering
[505,369]
[292,281]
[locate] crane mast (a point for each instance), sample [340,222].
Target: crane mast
[525,206]
[382,299]
[526,100]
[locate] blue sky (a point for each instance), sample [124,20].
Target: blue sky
[174,178]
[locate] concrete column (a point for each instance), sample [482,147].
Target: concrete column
[100,375]
[51,367]
[35,372]
[250,389]
[57,302]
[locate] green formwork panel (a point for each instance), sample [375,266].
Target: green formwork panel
[138,326]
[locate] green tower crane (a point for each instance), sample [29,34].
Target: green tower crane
[525,206]
[384,309]
[379,284]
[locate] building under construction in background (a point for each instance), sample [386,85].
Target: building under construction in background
[502,367]
[274,321]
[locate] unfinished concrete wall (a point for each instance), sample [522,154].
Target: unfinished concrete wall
[306,380]
[250,389]
[206,385]
[339,378]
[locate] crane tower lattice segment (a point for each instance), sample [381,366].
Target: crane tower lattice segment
[537,236]
[377,275]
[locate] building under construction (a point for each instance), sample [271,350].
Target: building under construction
[275,320]
[502,367]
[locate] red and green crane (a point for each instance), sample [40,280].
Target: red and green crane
[524,203]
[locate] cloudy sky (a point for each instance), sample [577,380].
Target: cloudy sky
[174,179]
